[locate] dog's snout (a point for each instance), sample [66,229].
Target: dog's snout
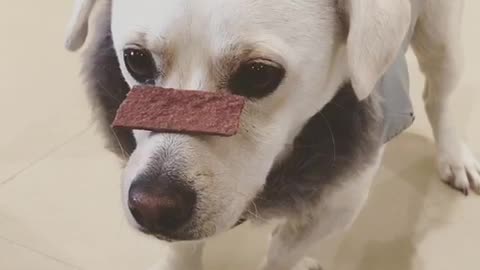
[160,205]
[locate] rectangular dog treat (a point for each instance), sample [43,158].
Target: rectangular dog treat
[180,111]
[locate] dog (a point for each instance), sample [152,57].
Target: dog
[310,139]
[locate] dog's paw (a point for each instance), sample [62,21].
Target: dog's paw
[459,168]
[308,264]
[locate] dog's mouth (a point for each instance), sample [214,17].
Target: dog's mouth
[240,222]
[182,237]
[178,237]
[196,228]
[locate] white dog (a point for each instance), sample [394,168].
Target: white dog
[310,140]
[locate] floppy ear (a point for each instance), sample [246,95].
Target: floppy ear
[377,29]
[77,29]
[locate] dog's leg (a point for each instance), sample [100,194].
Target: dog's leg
[338,208]
[436,43]
[181,256]
[290,241]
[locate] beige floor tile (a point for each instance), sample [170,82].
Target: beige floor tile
[74,215]
[43,103]
[17,257]
[411,220]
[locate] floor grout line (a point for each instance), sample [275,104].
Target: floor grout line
[46,155]
[42,254]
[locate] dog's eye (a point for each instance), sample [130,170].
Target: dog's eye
[256,79]
[140,65]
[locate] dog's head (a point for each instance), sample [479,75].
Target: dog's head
[288,57]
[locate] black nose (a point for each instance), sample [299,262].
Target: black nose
[160,204]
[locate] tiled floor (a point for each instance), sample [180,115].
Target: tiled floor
[59,189]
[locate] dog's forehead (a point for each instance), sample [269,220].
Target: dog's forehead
[210,19]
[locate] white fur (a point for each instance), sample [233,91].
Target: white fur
[77,29]
[181,256]
[371,52]
[306,37]
[437,44]
[193,31]
[336,211]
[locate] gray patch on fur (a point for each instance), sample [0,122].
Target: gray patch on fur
[106,85]
[345,136]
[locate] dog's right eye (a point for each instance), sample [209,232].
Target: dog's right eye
[140,65]
[256,79]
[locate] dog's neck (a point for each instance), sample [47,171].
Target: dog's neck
[337,77]
[339,139]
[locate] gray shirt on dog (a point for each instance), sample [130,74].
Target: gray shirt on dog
[397,106]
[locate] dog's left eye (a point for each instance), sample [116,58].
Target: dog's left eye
[140,65]
[256,79]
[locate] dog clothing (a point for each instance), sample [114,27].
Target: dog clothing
[397,106]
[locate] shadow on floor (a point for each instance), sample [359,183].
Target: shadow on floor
[401,210]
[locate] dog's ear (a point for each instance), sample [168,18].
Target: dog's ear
[376,31]
[77,29]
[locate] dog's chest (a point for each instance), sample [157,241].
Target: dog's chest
[342,138]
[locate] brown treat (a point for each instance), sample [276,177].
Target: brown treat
[180,111]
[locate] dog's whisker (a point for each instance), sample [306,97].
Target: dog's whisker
[314,159]
[338,105]
[332,136]
[256,213]
[125,154]
[105,90]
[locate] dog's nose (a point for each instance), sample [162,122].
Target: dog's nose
[160,204]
